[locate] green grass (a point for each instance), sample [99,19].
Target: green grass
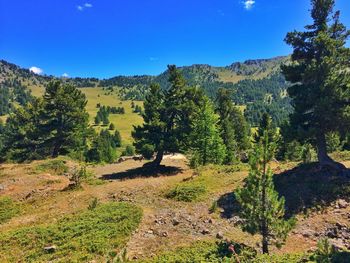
[210,179]
[78,238]
[123,122]
[211,252]
[8,209]
[56,166]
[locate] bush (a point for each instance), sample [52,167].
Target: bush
[194,161]
[147,151]
[111,127]
[83,237]
[129,151]
[93,204]
[187,192]
[309,154]
[334,142]
[205,251]
[293,151]
[8,209]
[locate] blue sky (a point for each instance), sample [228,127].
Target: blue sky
[104,38]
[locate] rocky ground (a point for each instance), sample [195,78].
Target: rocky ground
[166,224]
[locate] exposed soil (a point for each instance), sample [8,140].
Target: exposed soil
[166,224]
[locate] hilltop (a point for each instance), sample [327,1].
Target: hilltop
[257,85]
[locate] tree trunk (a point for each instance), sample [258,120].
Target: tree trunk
[265,245]
[323,158]
[159,158]
[264,225]
[56,149]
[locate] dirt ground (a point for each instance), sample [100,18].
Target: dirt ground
[166,224]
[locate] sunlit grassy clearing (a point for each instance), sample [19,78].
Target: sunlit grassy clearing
[123,122]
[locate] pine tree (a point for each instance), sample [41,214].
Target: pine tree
[207,145]
[154,130]
[103,148]
[261,207]
[319,76]
[117,139]
[97,119]
[233,126]
[168,117]
[227,129]
[242,130]
[111,127]
[174,102]
[22,135]
[266,127]
[66,118]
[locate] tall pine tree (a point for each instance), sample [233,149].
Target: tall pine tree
[233,126]
[320,78]
[66,119]
[227,129]
[154,130]
[207,146]
[168,117]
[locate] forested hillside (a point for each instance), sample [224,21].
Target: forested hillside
[256,84]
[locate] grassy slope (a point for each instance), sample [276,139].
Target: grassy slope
[123,123]
[78,238]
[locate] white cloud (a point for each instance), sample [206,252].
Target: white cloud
[36,70]
[248,4]
[65,75]
[82,7]
[153,59]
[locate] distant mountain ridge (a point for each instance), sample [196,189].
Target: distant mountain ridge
[257,84]
[194,73]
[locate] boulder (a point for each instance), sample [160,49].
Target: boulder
[175,221]
[219,235]
[342,204]
[205,231]
[50,249]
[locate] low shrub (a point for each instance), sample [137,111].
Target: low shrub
[83,237]
[206,251]
[187,192]
[8,209]
[129,151]
[220,252]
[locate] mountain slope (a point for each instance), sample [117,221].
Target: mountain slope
[257,84]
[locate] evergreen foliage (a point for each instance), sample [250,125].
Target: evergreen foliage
[206,143]
[66,119]
[53,125]
[168,116]
[226,124]
[320,79]
[129,151]
[104,147]
[261,207]
[104,112]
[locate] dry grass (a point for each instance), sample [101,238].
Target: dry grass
[43,200]
[123,123]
